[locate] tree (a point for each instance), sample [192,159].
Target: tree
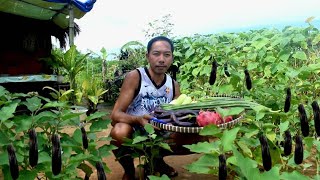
[159,27]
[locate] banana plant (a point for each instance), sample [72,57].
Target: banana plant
[72,64]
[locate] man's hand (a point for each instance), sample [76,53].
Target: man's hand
[145,119]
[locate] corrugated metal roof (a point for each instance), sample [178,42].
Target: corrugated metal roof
[56,10]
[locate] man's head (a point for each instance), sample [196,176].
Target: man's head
[159,38]
[160,54]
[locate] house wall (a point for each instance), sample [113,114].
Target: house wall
[23,42]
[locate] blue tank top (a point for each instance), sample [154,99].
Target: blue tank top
[149,96]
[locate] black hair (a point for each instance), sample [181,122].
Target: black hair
[159,38]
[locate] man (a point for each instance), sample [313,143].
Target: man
[143,90]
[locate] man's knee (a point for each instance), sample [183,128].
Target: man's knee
[120,131]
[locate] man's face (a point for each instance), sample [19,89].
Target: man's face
[160,57]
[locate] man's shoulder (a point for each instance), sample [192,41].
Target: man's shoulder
[133,74]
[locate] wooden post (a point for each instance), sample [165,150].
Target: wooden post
[71,24]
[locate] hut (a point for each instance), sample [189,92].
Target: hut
[26,38]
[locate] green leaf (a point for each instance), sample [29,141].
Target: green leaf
[228,138]
[283,126]
[45,116]
[44,157]
[28,174]
[105,150]
[233,160]
[251,133]
[317,144]
[273,173]
[65,94]
[275,151]
[230,111]
[316,39]
[257,108]
[295,175]
[94,99]
[189,52]
[163,177]
[260,115]
[300,55]
[292,73]
[96,115]
[7,111]
[260,43]
[139,139]
[3,157]
[298,38]
[165,146]
[204,147]
[85,168]
[284,55]
[55,104]
[210,130]
[314,67]
[309,141]
[77,136]
[285,41]
[3,91]
[252,65]
[33,103]
[99,125]
[206,70]
[316,177]
[149,128]
[268,126]
[67,115]
[79,157]
[247,166]
[195,72]
[267,71]
[271,135]
[226,89]
[270,59]
[245,149]
[204,164]
[8,124]
[4,139]
[22,123]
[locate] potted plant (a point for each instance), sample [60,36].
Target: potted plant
[55,64]
[92,93]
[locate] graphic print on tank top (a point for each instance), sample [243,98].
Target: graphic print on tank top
[150,97]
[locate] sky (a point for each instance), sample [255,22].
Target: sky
[111,24]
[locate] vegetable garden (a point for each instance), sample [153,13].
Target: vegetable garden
[278,69]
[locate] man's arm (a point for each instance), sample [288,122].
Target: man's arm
[129,86]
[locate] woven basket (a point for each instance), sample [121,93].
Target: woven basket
[181,129]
